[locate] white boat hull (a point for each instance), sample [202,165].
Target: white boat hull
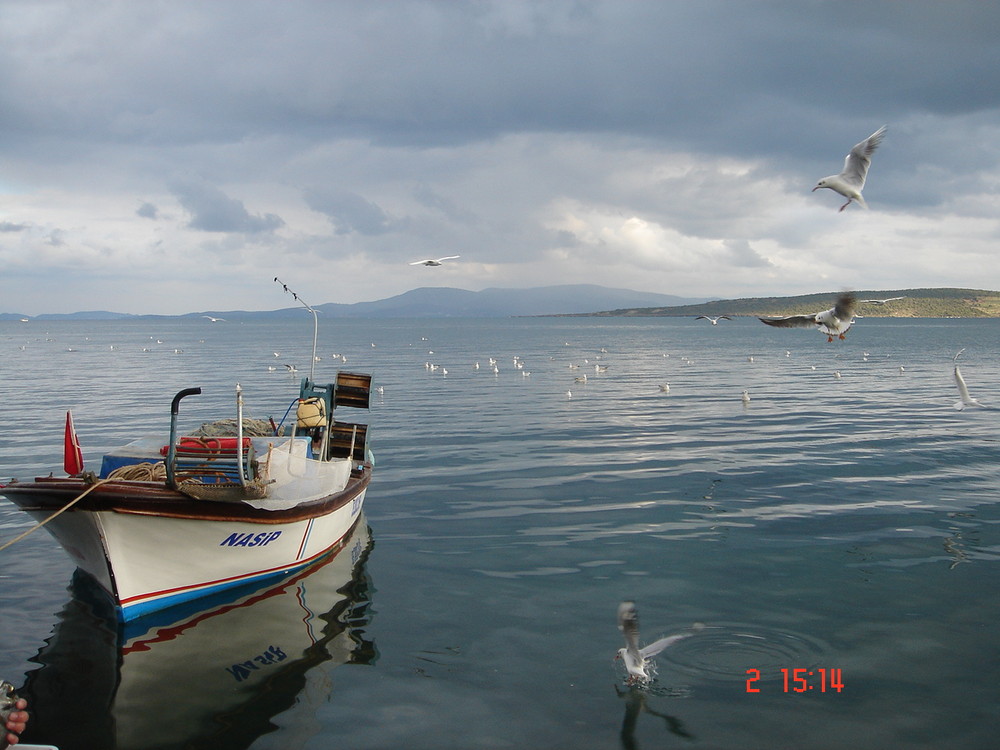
[158,559]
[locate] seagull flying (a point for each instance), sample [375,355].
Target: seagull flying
[715,320]
[851,181]
[832,322]
[637,659]
[434,262]
[880,301]
[214,320]
[963,390]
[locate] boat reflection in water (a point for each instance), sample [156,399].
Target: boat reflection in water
[213,678]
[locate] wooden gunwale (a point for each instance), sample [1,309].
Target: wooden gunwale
[156,499]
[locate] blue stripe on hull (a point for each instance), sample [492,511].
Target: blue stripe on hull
[201,594]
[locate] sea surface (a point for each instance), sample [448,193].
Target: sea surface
[843,526]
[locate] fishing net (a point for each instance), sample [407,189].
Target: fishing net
[228,428]
[231,492]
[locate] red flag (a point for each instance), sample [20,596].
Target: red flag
[72,453]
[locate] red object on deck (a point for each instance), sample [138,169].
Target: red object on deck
[72,453]
[207,445]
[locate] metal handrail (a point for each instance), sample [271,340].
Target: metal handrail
[172,445]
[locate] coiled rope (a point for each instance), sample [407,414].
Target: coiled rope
[140,473]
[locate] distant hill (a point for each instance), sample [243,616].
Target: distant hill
[90,315]
[444,302]
[916,303]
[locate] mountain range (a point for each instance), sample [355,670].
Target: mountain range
[593,300]
[443,302]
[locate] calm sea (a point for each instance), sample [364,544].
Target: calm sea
[843,526]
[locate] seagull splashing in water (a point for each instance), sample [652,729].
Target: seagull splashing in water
[851,181]
[637,660]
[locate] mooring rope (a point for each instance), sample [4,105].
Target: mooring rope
[66,507]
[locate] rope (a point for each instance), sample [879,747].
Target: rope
[145,472]
[66,507]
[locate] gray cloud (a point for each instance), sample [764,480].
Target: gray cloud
[445,73]
[147,211]
[742,255]
[212,210]
[350,212]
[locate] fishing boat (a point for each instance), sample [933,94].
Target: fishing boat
[236,503]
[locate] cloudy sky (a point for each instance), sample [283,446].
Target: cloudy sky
[170,157]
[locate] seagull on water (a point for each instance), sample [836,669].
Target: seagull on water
[851,181]
[714,321]
[881,301]
[637,660]
[832,322]
[963,391]
[434,262]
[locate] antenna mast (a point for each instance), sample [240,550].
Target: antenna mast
[312,361]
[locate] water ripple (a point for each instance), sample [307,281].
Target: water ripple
[726,651]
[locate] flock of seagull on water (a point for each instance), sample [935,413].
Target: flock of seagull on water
[833,321]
